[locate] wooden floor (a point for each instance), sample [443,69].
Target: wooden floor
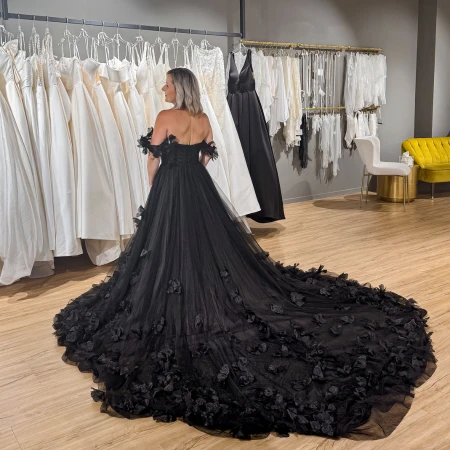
[46,404]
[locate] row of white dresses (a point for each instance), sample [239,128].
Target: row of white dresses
[70,162]
[360,125]
[365,81]
[365,86]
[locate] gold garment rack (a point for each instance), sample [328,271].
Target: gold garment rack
[292,45]
[333,108]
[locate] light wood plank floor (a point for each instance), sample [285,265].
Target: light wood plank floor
[46,404]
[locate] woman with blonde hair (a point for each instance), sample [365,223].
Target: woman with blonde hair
[198,323]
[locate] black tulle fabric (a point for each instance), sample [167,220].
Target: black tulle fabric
[198,323]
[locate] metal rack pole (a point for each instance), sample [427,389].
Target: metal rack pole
[4,12]
[38,18]
[242,18]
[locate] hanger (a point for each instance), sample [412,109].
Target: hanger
[103,40]
[117,39]
[240,47]
[205,44]
[139,44]
[158,40]
[175,43]
[20,34]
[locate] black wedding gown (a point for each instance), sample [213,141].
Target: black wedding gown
[198,323]
[252,128]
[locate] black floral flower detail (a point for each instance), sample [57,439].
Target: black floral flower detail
[245,380]
[223,374]
[319,319]
[277,309]
[346,320]
[198,321]
[273,368]
[97,395]
[241,364]
[202,349]
[158,326]
[361,362]
[251,316]
[318,372]
[134,278]
[117,334]
[174,287]
[300,385]
[94,322]
[283,352]
[336,329]
[143,253]
[257,349]
[210,149]
[224,273]
[297,299]
[236,297]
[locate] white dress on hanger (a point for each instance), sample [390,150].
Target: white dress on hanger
[153,101]
[33,77]
[16,104]
[112,79]
[160,72]
[97,219]
[19,221]
[67,242]
[137,110]
[279,111]
[265,93]
[210,66]
[113,145]
[218,168]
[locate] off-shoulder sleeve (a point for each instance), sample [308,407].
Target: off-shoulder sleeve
[210,150]
[144,143]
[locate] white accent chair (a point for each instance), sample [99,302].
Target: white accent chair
[369,150]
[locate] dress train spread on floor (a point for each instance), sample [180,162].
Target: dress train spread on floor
[197,322]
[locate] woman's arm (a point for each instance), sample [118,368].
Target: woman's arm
[158,137]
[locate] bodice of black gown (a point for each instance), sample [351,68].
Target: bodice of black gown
[198,323]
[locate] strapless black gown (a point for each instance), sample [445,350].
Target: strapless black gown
[198,323]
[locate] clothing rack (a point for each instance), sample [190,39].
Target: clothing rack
[321,108]
[292,45]
[5,14]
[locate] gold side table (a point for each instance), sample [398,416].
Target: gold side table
[390,188]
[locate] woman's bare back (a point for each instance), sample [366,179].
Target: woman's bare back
[186,128]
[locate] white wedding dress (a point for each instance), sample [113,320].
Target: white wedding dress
[112,80]
[211,73]
[20,227]
[67,242]
[14,98]
[218,168]
[97,220]
[113,146]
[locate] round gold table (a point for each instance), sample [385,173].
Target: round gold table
[390,188]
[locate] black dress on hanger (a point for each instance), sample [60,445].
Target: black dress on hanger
[198,323]
[248,116]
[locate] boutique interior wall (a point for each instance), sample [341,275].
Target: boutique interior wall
[390,25]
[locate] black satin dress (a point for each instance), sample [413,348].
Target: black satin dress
[197,323]
[249,118]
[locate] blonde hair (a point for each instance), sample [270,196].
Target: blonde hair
[187,89]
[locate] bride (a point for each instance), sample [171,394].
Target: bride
[198,323]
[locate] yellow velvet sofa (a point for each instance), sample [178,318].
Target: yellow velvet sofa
[433,157]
